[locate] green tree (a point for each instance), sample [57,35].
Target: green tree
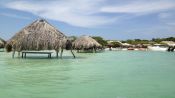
[72,38]
[137,41]
[100,40]
[170,39]
[115,44]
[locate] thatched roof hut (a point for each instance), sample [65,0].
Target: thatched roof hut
[2,43]
[85,42]
[169,43]
[39,35]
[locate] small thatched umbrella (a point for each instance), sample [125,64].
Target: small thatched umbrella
[86,43]
[39,35]
[2,43]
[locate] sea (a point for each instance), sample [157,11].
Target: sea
[108,74]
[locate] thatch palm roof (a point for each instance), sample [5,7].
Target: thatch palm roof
[85,42]
[2,43]
[169,43]
[39,35]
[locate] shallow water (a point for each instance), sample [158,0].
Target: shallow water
[111,74]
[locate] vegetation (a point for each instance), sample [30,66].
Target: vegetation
[158,40]
[104,42]
[72,38]
[100,40]
[153,41]
[136,41]
[130,41]
[115,44]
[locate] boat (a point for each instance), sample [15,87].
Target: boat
[158,47]
[142,49]
[113,49]
[131,49]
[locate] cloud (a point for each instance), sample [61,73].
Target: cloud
[14,16]
[140,7]
[82,13]
[88,13]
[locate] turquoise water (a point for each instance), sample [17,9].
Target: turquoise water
[111,74]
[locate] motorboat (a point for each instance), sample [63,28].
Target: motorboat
[158,47]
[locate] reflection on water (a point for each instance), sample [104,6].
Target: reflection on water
[121,74]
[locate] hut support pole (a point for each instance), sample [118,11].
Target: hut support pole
[18,54]
[72,53]
[61,53]
[78,51]
[13,54]
[93,50]
[57,54]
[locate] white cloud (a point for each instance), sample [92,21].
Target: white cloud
[88,13]
[82,13]
[140,7]
[14,16]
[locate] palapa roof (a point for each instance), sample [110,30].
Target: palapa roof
[85,42]
[39,35]
[169,43]
[2,43]
[125,44]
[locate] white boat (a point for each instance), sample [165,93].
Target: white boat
[157,48]
[124,49]
[113,49]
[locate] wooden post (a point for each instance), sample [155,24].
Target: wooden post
[57,54]
[22,54]
[3,49]
[72,53]
[50,55]
[18,54]
[93,50]
[13,54]
[61,52]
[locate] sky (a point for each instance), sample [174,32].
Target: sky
[110,19]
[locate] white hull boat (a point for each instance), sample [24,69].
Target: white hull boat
[157,48]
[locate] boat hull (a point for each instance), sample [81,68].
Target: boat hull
[156,48]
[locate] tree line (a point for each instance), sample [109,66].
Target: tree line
[104,42]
